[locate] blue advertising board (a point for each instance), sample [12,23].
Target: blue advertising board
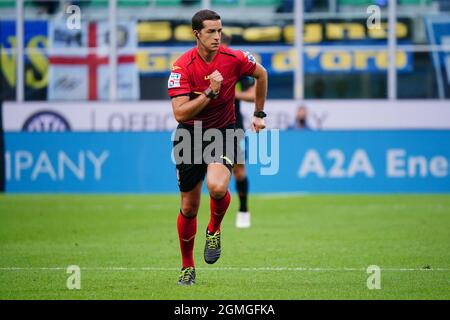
[317,162]
[360,161]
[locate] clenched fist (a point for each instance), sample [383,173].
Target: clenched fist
[258,124]
[215,80]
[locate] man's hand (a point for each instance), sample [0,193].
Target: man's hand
[258,124]
[215,80]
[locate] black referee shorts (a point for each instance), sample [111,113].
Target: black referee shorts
[191,169]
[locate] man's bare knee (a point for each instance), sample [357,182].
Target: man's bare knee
[189,206]
[217,190]
[189,209]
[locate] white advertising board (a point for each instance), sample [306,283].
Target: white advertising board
[157,115]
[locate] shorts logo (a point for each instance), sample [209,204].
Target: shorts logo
[227,159]
[250,57]
[174,80]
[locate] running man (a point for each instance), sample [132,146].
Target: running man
[202,89]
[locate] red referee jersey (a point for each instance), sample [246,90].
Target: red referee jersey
[190,76]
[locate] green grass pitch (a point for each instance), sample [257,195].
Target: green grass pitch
[299,247]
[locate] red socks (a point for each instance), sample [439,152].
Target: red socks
[218,208]
[187,228]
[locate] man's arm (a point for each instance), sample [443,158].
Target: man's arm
[247,95]
[260,74]
[185,109]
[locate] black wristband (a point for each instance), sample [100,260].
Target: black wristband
[260,114]
[209,93]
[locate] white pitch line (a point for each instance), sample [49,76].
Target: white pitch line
[252,269]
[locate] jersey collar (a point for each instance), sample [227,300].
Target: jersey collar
[213,60]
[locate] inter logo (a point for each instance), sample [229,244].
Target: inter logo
[46,121]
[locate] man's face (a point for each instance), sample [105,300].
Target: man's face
[209,36]
[301,113]
[301,117]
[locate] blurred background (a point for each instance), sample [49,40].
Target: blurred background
[343,58]
[373,67]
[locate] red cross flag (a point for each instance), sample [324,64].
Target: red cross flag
[79,60]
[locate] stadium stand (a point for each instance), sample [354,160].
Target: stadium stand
[380,2]
[269,18]
[224,3]
[158,3]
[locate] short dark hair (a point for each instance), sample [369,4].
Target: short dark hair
[202,15]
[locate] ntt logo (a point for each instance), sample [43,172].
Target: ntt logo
[46,121]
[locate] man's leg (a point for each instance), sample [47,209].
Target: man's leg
[243,216]
[217,181]
[187,228]
[241,186]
